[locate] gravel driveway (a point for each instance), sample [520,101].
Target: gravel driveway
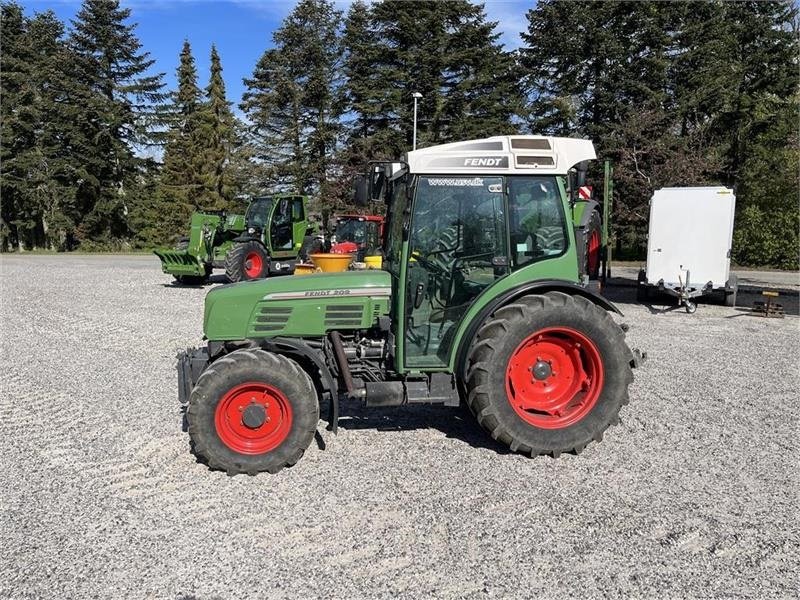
[694,494]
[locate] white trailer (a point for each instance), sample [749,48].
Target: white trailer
[689,245]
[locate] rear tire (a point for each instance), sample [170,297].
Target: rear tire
[252,384]
[576,352]
[247,261]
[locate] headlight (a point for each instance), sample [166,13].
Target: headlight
[251,230]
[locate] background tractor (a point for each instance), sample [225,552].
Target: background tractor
[264,241]
[360,235]
[479,301]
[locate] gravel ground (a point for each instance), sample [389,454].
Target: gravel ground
[694,494]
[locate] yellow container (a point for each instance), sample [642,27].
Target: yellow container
[304,269]
[331,263]
[374,262]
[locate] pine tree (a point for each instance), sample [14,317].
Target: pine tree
[293,99]
[180,189]
[120,112]
[40,167]
[215,140]
[448,52]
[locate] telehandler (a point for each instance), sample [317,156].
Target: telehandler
[265,241]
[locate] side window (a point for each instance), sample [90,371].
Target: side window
[297,210]
[537,224]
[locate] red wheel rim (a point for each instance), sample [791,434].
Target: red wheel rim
[593,252]
[253,264]
[554,378]
[253,418]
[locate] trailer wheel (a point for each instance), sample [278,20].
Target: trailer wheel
[247,261]
[252,411]
[548,374]
[593,237]
[691,307]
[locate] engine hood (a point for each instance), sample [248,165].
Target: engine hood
[236,311]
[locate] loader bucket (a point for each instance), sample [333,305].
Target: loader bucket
[179,262]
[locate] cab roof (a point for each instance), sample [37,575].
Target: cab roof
[503,154]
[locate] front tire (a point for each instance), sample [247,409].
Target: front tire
[252,411]
[548,374]
[247,261]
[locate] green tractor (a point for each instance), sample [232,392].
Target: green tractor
[265,241]
[479,301]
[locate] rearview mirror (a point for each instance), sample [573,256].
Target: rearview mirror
[377,182]
[582,169]
[360,191]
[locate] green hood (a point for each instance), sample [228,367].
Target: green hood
[296,305]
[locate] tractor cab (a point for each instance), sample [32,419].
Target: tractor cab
[467,217]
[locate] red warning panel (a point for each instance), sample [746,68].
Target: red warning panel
[585,192]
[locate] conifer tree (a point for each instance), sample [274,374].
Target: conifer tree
[120,103]
[293,98]
[40,163]
[179,186]
[215,140]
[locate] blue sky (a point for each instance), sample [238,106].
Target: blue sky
[241,29]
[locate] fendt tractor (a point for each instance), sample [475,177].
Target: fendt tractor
[478,301]
[265,241]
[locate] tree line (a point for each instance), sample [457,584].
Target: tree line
[98,154]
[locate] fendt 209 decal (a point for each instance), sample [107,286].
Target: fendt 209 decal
[349,292]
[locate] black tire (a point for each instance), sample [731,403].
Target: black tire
[245,366]
[731,291]
[594,226]
[237,257]
[503,333]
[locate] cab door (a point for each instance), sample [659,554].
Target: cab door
[457,248]
[287,226]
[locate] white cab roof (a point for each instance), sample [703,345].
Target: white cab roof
[503,154]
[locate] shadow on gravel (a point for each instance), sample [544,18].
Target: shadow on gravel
[211,281]
[456,423]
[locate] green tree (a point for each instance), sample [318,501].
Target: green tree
[293,99]
[119,113]
[40,165]
[448,52]
[215,139]
[180,190]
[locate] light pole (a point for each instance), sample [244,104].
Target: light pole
[416,96]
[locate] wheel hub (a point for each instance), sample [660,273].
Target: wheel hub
[254,416]
[541,370]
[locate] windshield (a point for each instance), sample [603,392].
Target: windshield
[258,212]
[351,230]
